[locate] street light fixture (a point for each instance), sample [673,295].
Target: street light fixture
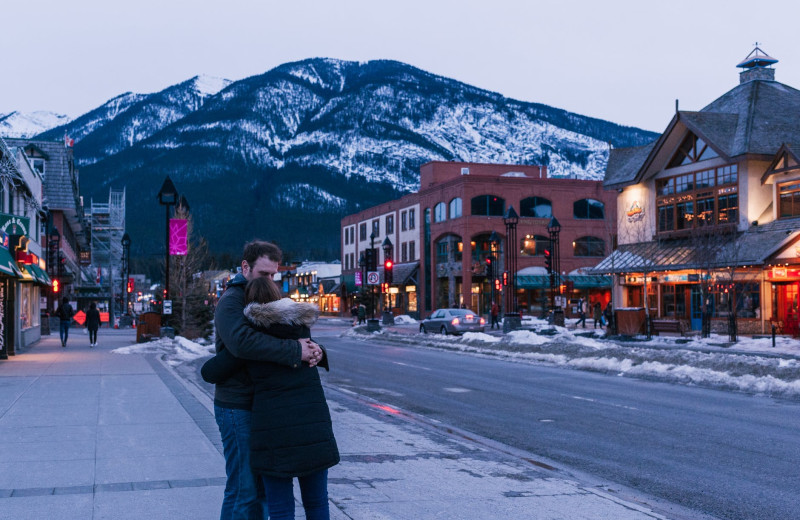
[167,196]
[512,318]
[553,229]
[388,264]
[494,241]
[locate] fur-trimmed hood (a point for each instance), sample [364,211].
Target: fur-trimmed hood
[284,312]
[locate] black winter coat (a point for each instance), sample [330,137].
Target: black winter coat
[291,431]
[92,319]
[238,335]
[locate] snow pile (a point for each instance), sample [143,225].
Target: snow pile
[174,351]
[749,365]
[404,319]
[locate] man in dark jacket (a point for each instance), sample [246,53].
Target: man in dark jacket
[64,313]
[233,398]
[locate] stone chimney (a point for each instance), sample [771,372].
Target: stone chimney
[757,66]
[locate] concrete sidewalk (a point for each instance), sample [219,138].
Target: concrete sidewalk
[88,434]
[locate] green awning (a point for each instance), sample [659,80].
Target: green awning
[38,274]
[579,281]
[8,266]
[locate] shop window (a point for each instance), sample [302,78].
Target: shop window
[728,209]
[789,200]
[440,212]
[694,204]
[685,215]
[534,245]
[537,207]
[666,218]
[443,250]
[488,206]
[588,209]
[705,211]
[455,207]
[588,246]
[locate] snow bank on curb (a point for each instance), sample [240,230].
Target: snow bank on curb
[175,351]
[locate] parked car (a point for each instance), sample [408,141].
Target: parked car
[452,321]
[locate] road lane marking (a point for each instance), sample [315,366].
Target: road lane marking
[457,390]
[579,398]
[411,366]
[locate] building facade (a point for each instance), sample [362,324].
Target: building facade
[441,237]
[708,226]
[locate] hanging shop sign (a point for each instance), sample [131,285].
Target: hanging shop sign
[178,236]
[14,224]
[781,273]
[635,213]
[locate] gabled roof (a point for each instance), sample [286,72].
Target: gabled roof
[786,150]
[624,164]
[755,117]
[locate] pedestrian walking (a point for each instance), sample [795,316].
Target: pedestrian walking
[362,313]
[354,314]
[597,314]
[233,398]
[581,313]
[495,313]
[64,313]
[608,313]
[92,323]
[285,446]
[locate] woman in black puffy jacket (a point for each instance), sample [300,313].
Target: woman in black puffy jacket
[291,432]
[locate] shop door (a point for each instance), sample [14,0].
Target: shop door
[790,309]
[695,310]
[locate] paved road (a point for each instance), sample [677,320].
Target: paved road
[730,455]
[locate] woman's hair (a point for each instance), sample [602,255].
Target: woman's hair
[92,305]
[261,290]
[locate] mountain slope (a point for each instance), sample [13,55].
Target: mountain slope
[286,153]
[25,125]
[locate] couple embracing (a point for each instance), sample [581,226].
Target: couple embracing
[268,402]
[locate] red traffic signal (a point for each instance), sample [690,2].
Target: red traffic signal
[548,261]
[505,277]
[497,285]
[387,271]
[56,286]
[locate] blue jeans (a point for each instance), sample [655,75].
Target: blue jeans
[313,490]
[63,331]
[244,496]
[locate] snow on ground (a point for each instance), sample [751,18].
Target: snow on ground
[750,365]
[174,351]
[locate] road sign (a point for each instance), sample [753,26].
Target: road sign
[167,306]
[373,278]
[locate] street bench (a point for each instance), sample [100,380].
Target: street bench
[671,326]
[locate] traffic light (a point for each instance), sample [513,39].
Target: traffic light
[505,278]
[56,286]
[489,263]
[548,261]
[130,285]
[371,259]
[387,271]
[497,284]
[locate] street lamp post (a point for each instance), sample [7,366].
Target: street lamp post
[53,247]
[512,319]
[126,266]
[494,240]
[167,196]
[553,229]
[372,238]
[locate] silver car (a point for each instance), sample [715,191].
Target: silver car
[452,321]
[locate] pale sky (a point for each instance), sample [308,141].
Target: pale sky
[619,60]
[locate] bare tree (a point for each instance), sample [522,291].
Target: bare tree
[189,292]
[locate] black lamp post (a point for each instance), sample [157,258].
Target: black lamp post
[126,265]
[167,196]
[53,247]
[372,237]
[494,240]
[512,319]
[553,229]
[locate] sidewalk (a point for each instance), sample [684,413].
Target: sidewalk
[88,434]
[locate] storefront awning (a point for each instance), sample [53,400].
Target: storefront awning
[8,266]
[579,281]
[37,274]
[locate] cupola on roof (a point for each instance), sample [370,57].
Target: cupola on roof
[757,66]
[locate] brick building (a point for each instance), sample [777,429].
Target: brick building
[440,236]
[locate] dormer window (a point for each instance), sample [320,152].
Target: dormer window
[692,150]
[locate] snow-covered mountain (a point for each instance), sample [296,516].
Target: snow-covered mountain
[129,118]
[20,124]
[308,142]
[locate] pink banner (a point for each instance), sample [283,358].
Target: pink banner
[178,239]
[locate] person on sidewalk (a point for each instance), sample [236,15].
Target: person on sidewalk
[581,313]
[233,398]
[283,446]
[495,312]
[92,323]
[64,313]
[597,314]
[362,313]
[607,314]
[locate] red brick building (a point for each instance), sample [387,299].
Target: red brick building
[450,221]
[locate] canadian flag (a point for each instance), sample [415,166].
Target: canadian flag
[69,143]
